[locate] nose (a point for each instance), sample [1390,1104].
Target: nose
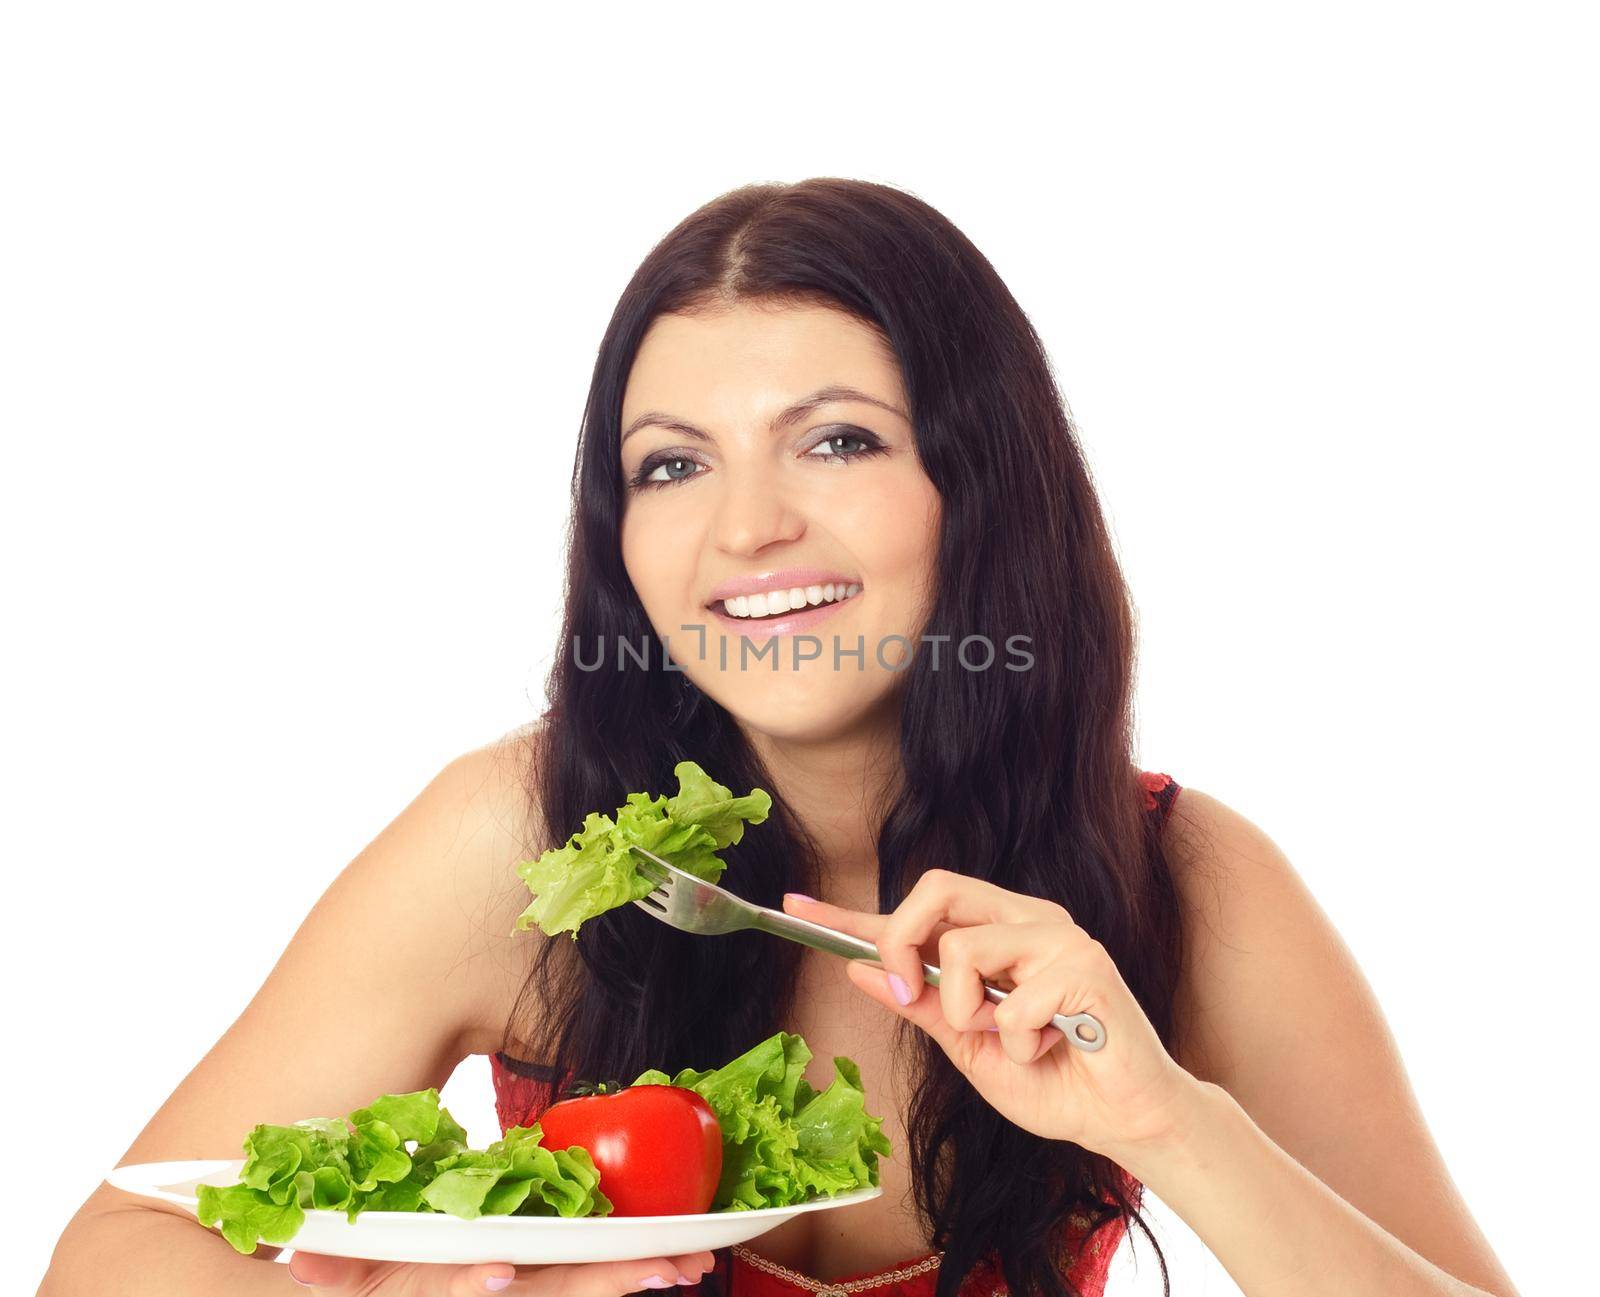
[752,513]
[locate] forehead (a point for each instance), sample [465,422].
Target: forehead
[733,357]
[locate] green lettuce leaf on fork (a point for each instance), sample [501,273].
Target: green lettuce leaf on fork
[783,1141]
[596,871]
[362,1162]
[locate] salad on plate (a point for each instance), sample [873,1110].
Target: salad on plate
[751,1135]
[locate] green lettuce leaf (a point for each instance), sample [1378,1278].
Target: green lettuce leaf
[783,1142]
[516,1175]
[596,871]
[362,1162]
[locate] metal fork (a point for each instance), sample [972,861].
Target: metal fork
[694,905]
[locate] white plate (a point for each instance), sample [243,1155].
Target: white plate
[441,1238]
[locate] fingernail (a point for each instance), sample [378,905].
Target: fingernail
[991,1028]
[902,992]
[686,1281]
[799,896]
[497,1283]
[654,1281]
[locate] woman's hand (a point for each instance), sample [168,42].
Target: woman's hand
[1127,1096]
[349,1277]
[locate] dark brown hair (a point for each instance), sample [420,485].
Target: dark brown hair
[1021,777]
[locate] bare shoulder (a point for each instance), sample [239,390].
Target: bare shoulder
[1255,936]
[498,827]
[492,785]
[1236,887]
[1274,1008]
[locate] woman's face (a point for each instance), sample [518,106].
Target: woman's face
[733,490]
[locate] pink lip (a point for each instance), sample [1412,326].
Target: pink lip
[786,579]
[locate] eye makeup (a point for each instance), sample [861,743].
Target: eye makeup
[870,444]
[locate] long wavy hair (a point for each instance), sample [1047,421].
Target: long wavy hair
[1025,778]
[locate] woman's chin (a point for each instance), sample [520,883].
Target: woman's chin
[809,711]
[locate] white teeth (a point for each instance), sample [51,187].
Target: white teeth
[770,602]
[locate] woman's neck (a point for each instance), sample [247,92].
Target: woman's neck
[837,788]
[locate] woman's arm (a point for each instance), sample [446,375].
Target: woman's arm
[147,1251]
[391,979]
[1302,1160]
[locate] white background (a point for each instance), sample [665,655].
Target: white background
[300,304]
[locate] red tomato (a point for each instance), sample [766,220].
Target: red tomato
[658,1148]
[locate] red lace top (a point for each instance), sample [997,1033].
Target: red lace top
[523,1090]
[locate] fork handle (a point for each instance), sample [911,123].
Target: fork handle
[1081,1029]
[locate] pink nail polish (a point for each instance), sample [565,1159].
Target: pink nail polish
[497,1283]
[799,896]
[991,1028]
[902,992]
[654,1281]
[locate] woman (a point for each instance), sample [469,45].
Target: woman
[822,393]
[993,816]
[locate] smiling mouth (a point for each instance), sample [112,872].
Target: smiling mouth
[779,603]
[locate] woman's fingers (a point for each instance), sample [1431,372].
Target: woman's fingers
[475,1280]
[695,1265]
[611,1278]
[940,896]
[940,902]
[348,1275]
[858,923]
[924,1012]
[1012,956]
[336,1275]
[1026,1032]
[1046,967]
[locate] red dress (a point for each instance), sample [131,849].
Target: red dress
[523,1090]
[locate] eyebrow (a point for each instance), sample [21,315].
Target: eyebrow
[796,412]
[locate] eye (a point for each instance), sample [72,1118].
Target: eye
[663,470]
[845,444]
[832,450]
